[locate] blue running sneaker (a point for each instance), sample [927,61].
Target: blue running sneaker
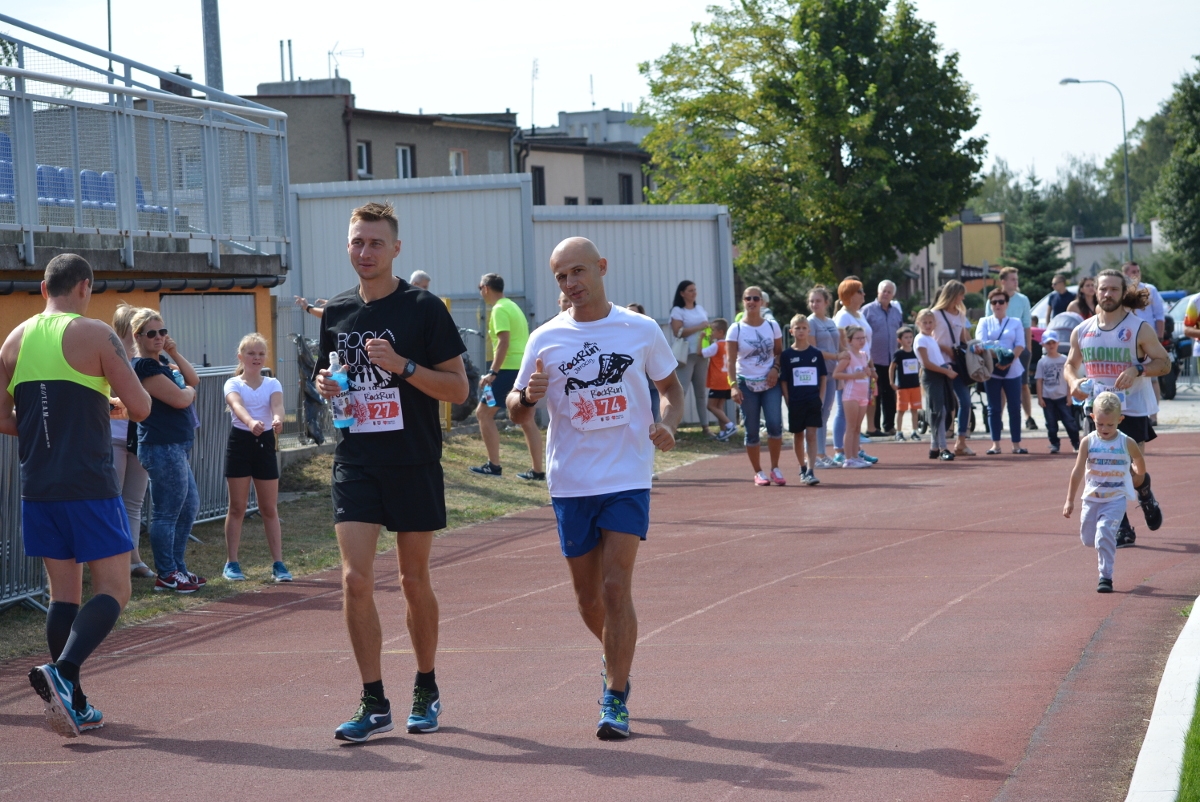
[865,457]
[280,572]
[89,719]
[614,719]
[839,460]
[57,694]
[426,707]
[233,572]
[370,719]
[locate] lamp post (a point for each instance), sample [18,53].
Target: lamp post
[1125,153]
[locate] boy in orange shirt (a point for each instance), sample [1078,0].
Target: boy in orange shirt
[717,381]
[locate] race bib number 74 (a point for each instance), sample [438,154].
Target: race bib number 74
[376,410]
[599,407]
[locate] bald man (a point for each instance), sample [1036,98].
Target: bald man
[590,363]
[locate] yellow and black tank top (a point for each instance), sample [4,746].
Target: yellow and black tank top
[62,420]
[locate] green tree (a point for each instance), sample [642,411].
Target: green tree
[833,130]
[1150,144]
[1035,252]
[1178,187]
[999,191]
[1082,196]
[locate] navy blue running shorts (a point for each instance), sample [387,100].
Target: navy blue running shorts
[581,518]
[82,531]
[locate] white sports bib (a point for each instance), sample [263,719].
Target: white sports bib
[376,410]
[804,377]
[599,407]
[911,366]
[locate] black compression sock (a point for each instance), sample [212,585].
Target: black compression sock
[58,626]
[92,625]
[375,690]
[68,671]
[1143,492]
[427,681]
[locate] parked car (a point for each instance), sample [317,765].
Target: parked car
[1041,310]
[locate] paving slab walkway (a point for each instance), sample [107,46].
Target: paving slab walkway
[915,631]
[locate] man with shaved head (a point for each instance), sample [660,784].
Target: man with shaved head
[590,364]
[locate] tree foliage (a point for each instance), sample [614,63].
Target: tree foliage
[833,130]
[1178,188]
[1035,250]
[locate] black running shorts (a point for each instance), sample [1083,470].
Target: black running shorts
[1137,427]
[247,455]
[401,498]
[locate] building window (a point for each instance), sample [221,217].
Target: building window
[595,201]
[458,162]
[405,165]
[364,159]
[539,185]
[626,188]
[570,201]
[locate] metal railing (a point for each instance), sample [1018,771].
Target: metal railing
[208,451]
[89,150]
[22,579]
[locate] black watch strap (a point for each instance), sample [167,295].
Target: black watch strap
[410,368]
[524,401]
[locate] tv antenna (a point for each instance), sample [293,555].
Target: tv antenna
[533,76]
[592,89]
[331,60]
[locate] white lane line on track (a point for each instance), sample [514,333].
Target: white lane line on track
[970,593]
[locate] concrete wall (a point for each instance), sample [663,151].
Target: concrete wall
[566,175]
[601,172]
[316,136]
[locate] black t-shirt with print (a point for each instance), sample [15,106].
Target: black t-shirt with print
[420,328]
[801,374]
[907,381]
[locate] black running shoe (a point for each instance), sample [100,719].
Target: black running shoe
[532,476]
[1149,505]
[1104,585]
[1125,537]
[487,469]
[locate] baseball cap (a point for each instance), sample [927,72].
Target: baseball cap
[1049,336]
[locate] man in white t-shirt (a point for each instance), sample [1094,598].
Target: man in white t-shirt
[590,364]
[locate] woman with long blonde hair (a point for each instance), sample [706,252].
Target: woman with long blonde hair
[133,477]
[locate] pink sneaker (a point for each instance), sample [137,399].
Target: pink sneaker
[761,479]
[777,477]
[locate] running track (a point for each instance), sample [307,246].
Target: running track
[917,632]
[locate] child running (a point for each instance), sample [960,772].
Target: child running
[717,380]
[904,375]
[855,371]
[250,454]
[803,378]
[1052,393]
[1111,466]
[936,378]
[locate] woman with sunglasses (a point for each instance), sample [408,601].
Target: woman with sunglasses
[752,349]
[1006,336]
[164,446]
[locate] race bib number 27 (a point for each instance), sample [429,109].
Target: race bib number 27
[376,410]
[599,407]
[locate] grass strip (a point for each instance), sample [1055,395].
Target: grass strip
[1189,777]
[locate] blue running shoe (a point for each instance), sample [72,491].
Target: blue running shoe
[233,572]
[57,694]
[370,719]
[280,572]
[865,457]
[89,719]
[426,707]
[614,719]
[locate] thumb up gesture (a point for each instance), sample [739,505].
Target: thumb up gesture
[539,380]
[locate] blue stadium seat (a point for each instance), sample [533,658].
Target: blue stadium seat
[8,186]
[108,190]
[47,180]
[91,189]
[65,188]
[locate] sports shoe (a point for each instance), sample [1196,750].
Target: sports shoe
[865,457]
[900,438]
[426,707]
[280,572]
[89,719]
[824,462]
[839,460]
[761,479]
[487,469]
[196,580]
[176,581]
[1031,424]
[1125,537]
[803,471]
[916,438]
[856,463]
[1149,505]
[57,694]
[371,718]
[614,719]
[811,480]
[233,572]
[1054,449]
[777,477]
[532,476]
[727,432]
[864,438]
[877,433]
[1104,585]
[946,455]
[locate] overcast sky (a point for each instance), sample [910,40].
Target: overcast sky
[476,55]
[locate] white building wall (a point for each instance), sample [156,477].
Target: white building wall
[564,175]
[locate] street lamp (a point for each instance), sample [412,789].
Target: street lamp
[1125,150]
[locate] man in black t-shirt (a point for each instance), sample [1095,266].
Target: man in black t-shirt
[403,355]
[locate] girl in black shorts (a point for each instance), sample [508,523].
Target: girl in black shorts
[253,400]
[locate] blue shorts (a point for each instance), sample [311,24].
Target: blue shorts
[75,530]
[580,519]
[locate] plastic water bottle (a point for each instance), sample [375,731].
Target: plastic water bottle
[489,397]
[1087,385]
[178,379]
[342,418]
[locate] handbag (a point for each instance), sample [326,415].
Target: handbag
[679,347]
[959,360]
[978,366]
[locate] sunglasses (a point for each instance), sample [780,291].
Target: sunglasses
[998,302]
[150,334]
[754,298]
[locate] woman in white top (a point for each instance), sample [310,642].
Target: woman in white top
[256,407]
[134,479]
[688,321]
[1006,336]
[850,293]
[950,327]
[752,348]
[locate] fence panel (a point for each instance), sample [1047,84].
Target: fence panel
[208,452]
[21,578]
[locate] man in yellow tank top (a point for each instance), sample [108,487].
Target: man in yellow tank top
[56,371]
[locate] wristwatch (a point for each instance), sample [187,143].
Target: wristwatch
[410,368]
[524,401]
[1141,369]
[491,373]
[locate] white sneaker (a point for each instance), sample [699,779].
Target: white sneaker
[777,477]
[854,462]
[824,462]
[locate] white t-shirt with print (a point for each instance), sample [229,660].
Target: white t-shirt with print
[257,402]
[755,347]
[1050,371]
[599,401]
[844,319]
[930,344]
